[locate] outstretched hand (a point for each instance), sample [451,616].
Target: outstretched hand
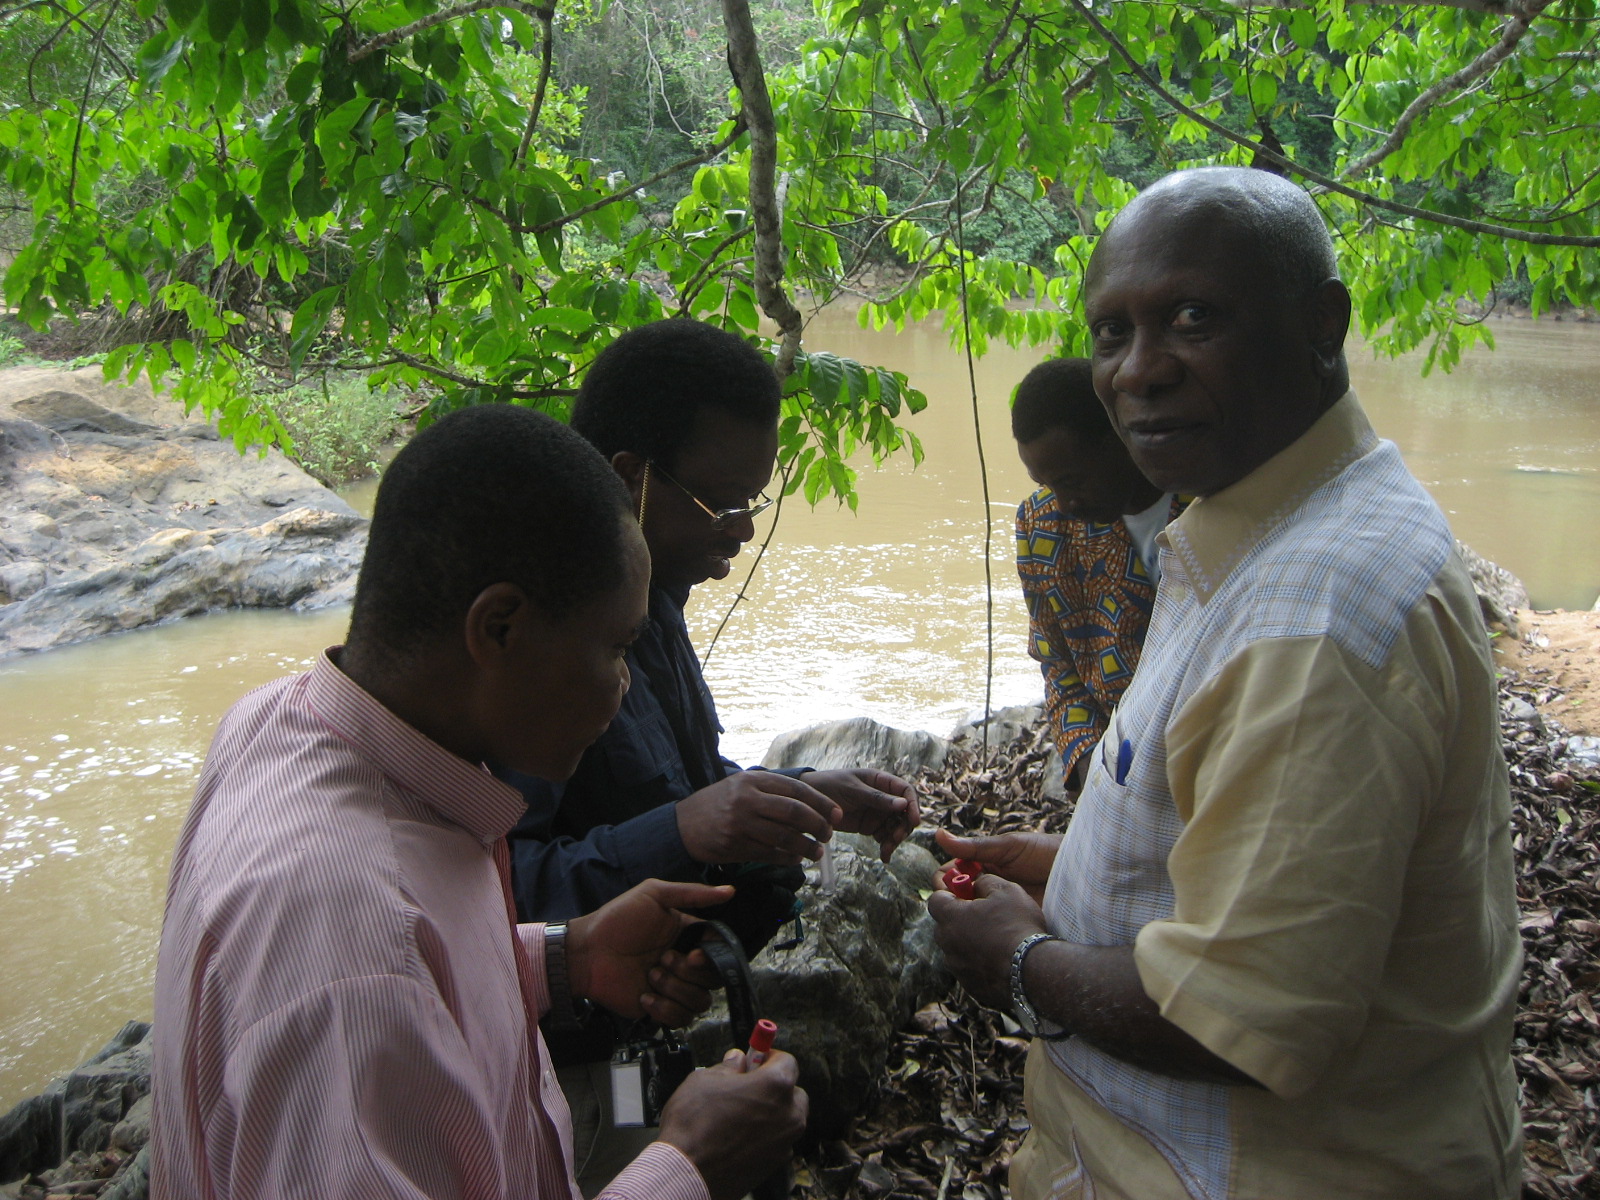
[876,803]
[621,957]
[757,816]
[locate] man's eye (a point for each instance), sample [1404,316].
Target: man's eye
[1190,314]
[1106,331]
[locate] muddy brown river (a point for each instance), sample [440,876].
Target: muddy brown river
[880,613]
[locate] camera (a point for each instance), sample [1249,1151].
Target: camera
[644,1074]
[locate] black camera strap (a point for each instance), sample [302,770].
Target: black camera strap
[722,947]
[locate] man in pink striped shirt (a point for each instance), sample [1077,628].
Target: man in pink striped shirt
[344,1004]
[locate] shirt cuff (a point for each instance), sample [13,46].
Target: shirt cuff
[532,938]
[662,1172]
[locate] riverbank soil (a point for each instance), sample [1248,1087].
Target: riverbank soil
[948,1115]
[1559,650]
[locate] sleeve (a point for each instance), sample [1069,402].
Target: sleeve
[367,1087]
[564,877]
[1075,720]
[1301,775]
[661,1172]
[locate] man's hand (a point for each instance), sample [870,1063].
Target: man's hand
[620,956]
[978,936]
[737,1125]
[874,802]
[756,816]
[1023,858]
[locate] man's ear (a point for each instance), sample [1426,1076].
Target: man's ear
[1328,318]
[631,468]
[497,618]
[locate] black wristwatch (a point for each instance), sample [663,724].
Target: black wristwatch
[565,1012]
[1032,1023]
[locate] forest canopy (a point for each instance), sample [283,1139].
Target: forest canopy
[477,197]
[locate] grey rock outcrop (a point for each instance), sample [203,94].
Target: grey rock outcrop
[1500,593]
[866,963]
[118,511]
[80,1111]
[858,742]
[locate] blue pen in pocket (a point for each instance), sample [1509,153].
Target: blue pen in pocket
[1124,760]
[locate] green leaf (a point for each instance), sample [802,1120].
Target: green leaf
[257,18]
[221,17]
[569,320]
[157,56]
[183,12]
[302,81]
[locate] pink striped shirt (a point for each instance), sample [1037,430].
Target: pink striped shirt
[338,1006]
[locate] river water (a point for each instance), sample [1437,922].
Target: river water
[879,613]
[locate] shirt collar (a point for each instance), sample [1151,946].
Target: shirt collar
[1216,531]
[463,792]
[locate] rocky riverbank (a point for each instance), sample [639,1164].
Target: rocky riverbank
[117,510]
[935,1101]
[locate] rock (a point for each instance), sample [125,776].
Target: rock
[1585,750]
[133,1131]
[867,962]
[1516,711]
[1004,725]
[858,742]
[1500,593]
[133,1181]
[117,510]
[19,580]
[1055,776]
[78,1112]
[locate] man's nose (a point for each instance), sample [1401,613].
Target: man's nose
[1148,365]
[744,529]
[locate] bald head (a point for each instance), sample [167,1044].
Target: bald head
[1273,217]
[1217,323]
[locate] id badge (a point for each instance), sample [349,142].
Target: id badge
[627,1094]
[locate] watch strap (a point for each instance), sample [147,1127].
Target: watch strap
[564,1011]
[1027,1016]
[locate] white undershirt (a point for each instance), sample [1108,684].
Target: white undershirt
[1142,529]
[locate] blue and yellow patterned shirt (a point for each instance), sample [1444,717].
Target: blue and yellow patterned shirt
[1089,599]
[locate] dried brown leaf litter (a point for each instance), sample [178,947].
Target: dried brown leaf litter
[948,1114]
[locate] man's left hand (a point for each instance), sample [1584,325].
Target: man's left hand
[979,935]
[621,957]
[876,803]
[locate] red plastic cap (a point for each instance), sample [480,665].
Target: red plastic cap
[969,866]
[961,885]
[761,1036]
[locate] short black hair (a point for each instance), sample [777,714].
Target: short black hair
[645,389]
[486,495]
[1059,394]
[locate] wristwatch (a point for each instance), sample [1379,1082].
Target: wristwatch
[565,1013]
[1032,1023]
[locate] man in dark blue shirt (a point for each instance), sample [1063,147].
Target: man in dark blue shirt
[687,414]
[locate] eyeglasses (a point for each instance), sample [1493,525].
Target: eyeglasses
[721,518]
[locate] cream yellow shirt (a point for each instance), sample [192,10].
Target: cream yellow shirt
[1299,819]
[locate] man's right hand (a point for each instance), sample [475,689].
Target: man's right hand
[1023,858]
[737,1125]
[757,816]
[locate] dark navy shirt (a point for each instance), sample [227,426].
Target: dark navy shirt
[614,823]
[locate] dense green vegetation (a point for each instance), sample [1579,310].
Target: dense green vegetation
[473,199]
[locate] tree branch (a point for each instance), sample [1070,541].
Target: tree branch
[744,60]
[1511,33]
[623,193]
[384,40]
[546,50]
[1325,182]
